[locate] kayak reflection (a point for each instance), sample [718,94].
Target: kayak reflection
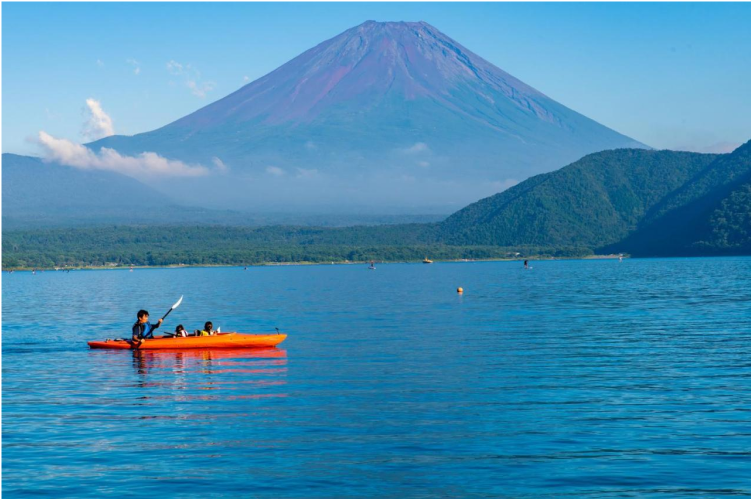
[243,370]
[228,360]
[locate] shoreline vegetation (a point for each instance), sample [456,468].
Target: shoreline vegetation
[57,259]
[149,246]
[304,263]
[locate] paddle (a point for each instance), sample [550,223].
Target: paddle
[173,308]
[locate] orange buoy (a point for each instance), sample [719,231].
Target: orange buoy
[460,290]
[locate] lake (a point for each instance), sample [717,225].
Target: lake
[575,378]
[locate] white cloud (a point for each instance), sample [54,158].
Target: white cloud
[136,66]
[274,170]
[99,63]
[416,148]
[502,185]
[99,124]
[246,79]
[219,165]
[716,148]
[144,165]
[191,77]
[423,164]
[199,89]
[175,67]
[305,173]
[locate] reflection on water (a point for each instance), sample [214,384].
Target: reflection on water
[211,369]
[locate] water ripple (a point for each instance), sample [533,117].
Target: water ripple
[577,378]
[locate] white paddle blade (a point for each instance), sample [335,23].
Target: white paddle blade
[178,303]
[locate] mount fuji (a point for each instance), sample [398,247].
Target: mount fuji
[384,116]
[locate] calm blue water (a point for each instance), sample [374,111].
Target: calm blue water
[575,378]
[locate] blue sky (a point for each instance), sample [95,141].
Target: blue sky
[670,75]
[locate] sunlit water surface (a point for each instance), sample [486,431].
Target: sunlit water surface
[574,378]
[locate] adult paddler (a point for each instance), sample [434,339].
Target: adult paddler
[143,329]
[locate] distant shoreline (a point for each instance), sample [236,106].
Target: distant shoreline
[303,263]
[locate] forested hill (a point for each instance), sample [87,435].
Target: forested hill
[628,200]
[709,214]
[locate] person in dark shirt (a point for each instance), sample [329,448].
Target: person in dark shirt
[143,329]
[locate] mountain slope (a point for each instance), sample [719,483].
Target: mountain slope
[384,114]
[40,194]
[35,192]
[710,214]
[595,201]
[728,229]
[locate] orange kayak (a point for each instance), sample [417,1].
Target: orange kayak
[221,340]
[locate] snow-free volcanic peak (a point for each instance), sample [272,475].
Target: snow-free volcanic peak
[386,115]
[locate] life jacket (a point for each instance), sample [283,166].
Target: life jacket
[144,330]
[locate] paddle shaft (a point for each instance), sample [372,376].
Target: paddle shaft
[165,315]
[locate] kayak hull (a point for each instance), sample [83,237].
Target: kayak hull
[221,340]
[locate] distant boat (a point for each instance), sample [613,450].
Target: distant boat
[427,260]
[372,266]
